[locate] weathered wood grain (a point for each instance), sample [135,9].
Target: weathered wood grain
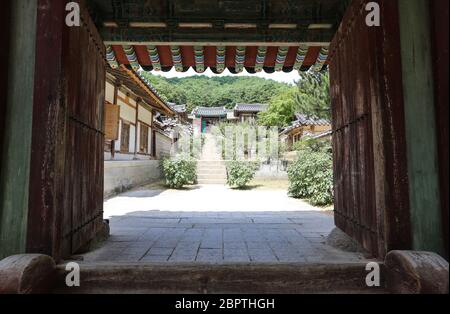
[371,191]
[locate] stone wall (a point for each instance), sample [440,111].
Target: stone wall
[275,170]
[124,175]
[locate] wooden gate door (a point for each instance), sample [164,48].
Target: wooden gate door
[66,179]
[84,87]
[370,175]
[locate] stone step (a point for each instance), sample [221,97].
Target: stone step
[232,278]
[211,181]
[210,162]
[213,176]
[209,171]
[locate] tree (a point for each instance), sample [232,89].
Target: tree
[219,91]
[313,97]
[281,109]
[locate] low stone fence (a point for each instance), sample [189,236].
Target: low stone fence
[274,170]
[124,175]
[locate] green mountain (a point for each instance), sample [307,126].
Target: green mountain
[216,91]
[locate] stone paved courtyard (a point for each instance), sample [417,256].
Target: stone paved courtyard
[214,224]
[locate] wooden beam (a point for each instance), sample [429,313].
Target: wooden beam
[206,36]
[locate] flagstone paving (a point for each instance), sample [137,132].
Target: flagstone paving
[214,224]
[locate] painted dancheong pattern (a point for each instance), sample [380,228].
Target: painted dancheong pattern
[260,58]
[281,58]
[300,58]
[220,59]
[132,58]
[321,59]
[177,58]
[111,57]
[240,59]
[154,57]
[199,59]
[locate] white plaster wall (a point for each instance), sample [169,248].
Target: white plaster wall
[123,175]
[127,112]
[163,145]
[109,92]
[145,115]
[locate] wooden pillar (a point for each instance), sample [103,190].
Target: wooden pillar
[153,135]
[439,16]
[5,21]
[136,129]
[421,132]
[113,142]
[16,148]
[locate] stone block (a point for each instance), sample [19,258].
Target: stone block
[27,274]
[414,272]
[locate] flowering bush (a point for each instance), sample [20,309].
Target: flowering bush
[311,177]
[179,171]
[240,173]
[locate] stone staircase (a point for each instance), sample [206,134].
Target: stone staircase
[210,167]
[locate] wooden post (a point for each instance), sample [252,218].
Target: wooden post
[5,21]
[113,142]
[16,148]
[419,100]
[439,14]
[136,129]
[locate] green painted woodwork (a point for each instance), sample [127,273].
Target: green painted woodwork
[18,121]
[421,140]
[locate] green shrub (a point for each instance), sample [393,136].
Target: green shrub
[311,177]
[240,172]
[179,171]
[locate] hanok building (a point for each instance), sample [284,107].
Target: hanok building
[180,111]
[204,117]
[131,105]
[304,126]
[248,112]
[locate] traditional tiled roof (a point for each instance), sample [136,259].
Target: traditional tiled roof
[250,107]
[303,119]
[322,134]
[235,58]
[141,88]
[177,108]
[210,112]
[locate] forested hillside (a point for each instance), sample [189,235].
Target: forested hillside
[310,96]
[216,91]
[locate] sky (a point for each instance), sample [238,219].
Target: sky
[283,77]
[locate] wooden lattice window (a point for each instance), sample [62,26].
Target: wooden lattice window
[143,139]
[125,137]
